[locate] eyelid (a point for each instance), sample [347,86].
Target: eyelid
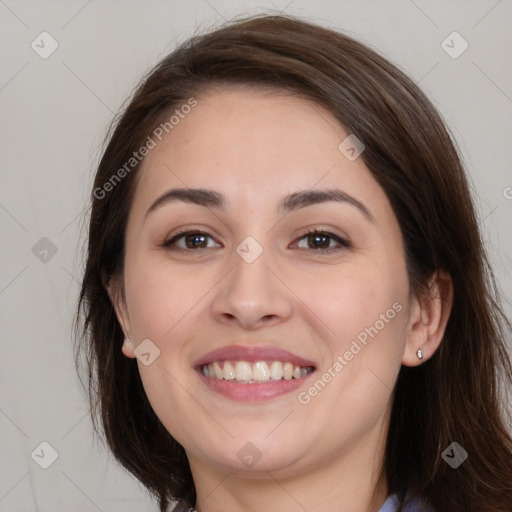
[170,240]
[343,243]
[328,231]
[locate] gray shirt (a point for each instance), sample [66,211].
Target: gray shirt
[391,505]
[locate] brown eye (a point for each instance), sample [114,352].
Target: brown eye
[191,240]
[318,241]
[322,241]
[195,241]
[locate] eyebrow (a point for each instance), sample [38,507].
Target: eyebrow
[295,201]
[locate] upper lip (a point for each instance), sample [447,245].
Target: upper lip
[252,354]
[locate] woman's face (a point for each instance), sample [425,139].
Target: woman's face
[303,334]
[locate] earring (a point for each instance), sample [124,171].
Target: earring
[419,353]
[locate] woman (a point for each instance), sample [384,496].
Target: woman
[286,302]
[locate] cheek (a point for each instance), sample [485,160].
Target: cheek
[364,308]
[161,307]
[150,303]
[158,299]
[350,299]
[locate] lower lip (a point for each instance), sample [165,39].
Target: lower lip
[244,392]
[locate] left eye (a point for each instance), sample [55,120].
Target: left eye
[321,241]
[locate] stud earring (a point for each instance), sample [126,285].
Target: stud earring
[419,353]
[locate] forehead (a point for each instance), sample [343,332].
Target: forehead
[255,146]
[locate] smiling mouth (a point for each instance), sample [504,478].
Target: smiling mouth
[258,372]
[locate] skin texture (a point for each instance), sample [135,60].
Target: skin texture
[255,148]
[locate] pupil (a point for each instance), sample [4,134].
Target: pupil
[193,241]
[320,241]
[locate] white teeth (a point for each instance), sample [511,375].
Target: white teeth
[228,372]
[243,370]
[218,370]
[276,371]
[260,371]
[287,371]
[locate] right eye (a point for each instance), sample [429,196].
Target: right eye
[190,239]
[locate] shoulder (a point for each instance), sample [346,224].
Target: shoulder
[411,505]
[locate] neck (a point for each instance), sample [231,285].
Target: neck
[353,480]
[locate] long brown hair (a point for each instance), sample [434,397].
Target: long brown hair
[452,397]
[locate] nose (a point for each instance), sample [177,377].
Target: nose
[252,295]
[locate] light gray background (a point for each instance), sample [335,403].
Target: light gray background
[54,113]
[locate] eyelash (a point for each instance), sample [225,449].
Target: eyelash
[343,244]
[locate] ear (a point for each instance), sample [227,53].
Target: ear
[117,298]
[429,316]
